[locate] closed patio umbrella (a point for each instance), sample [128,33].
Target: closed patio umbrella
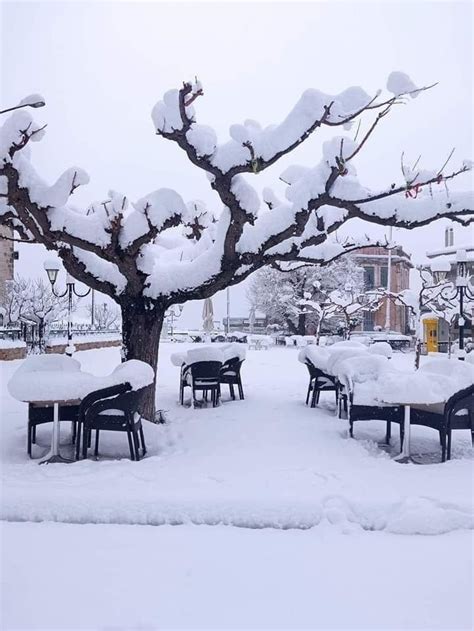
[207,316]
[252,319]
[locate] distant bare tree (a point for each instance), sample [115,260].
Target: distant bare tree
[105,316]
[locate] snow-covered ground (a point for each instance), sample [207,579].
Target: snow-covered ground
[265,463]
[201,577]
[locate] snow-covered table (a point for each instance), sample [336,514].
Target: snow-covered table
[405,455]
[58,380]
[432,385]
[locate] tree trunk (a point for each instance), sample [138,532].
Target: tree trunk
[292,330]
[318,331]
[417,352]
[141,331]
[301,324]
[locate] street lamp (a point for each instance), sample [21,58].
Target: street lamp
[104,315]
[52,267]
[460,289]
[440,269]
[173,315]
[34,100]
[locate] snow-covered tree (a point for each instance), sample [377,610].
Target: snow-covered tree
[436,297]
[14,300]
[163,251]
[351,305]
[34,301]
[296,296]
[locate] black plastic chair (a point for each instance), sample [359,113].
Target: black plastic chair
[319,382]
[203,377]
[356,412]
[230,374]
[111,409]
[458,413]
[183,379]
[40,413]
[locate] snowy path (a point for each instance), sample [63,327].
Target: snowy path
[190,577]
[265,461]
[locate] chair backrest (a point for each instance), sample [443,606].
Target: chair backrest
[102,395]
[317,373]
[459,409]
[233,364]
[206,371]
[126,401]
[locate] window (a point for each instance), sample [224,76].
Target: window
[384,276]
[368,323]
[369,277]
[448,237]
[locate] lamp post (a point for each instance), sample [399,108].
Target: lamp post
[389,282]
[104,315]
[52,267]
[35,101]
[458,290]
[92,308]
[227,325]
[173,315]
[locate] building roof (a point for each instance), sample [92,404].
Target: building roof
[380,254]
[450,252]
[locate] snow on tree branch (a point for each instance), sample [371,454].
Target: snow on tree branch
[162,249]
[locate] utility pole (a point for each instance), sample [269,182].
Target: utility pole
[389,282]
[92,308]
[227,328]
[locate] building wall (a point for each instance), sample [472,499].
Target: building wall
[6,258]
[375,260]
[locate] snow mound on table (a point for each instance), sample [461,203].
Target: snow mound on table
[178,359]
[205,354]
[209,353]
[316,355]
[233,351]
[420,388]
[349,344]
[135,372]
[340,354]
[49,378]
[59,378]
[452,369]
[361,369]
[381,348]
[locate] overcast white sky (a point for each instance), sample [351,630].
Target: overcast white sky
[102,65]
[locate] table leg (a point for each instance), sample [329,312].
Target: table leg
[404,456]
[54,456]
